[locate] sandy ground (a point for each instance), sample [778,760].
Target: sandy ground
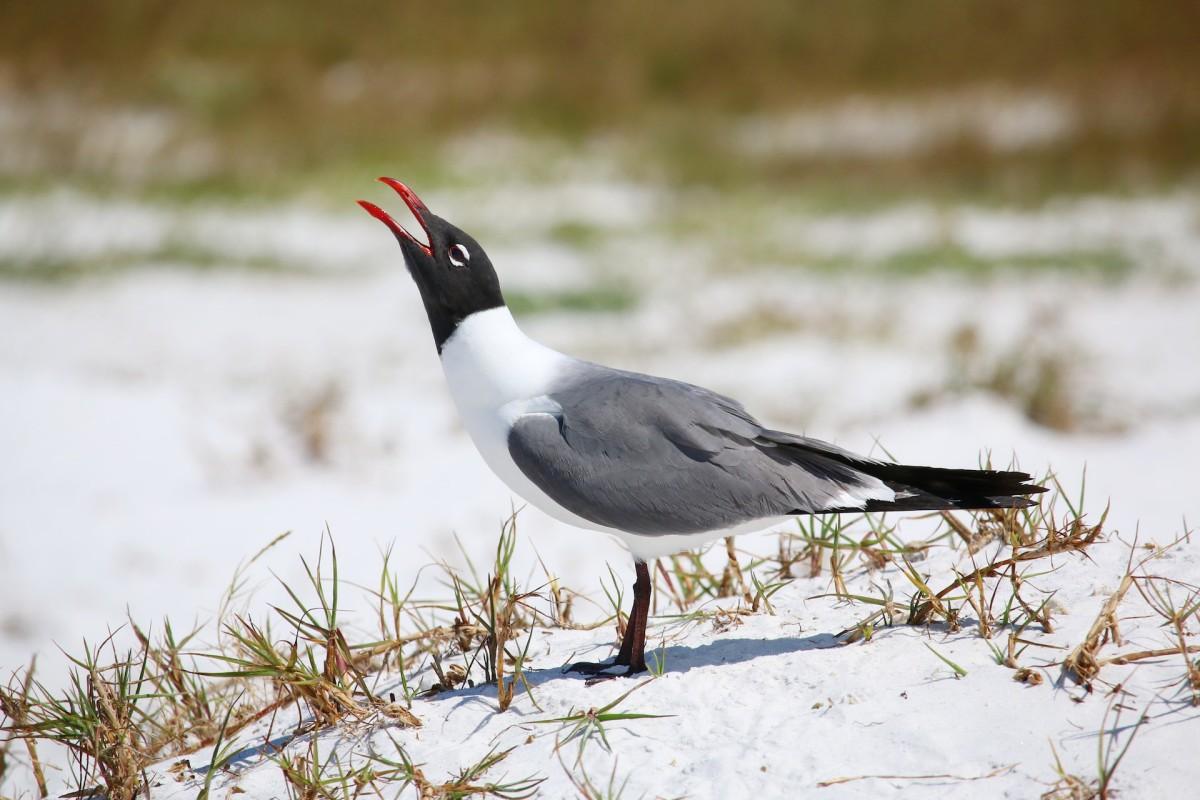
[775,706]
[161,424]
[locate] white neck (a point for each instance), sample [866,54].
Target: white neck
[497,375]
[490,362]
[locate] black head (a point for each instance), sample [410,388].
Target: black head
[454,275]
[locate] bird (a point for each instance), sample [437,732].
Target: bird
[661,464]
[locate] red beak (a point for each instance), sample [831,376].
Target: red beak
[418,209]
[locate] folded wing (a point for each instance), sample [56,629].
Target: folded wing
[652,456]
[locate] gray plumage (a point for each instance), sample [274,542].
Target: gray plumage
[653,456]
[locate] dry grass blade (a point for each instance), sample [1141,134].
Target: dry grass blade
[495,610]
[308,776]
[14,705]
[971,538]
[1082,663]
[237,584]
[732,580]
[937,777]
[1109,755]
[585,786]
[189,704]
[468,782]
[1141,655]
[1067,786]
[1158,594]
[223,749]
[692,580]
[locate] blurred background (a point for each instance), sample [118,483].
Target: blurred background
[951,230]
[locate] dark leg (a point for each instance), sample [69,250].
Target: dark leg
[635,634]
[633,644]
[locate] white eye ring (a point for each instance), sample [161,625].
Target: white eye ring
[459,255]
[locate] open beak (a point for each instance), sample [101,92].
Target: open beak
[414,204]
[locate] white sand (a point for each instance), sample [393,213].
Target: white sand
[151,426]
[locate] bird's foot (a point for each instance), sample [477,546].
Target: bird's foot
[600,670]
[593,667]
[630,672]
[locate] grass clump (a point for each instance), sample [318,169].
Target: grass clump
[587,788]
[101,719]
[467,782]
[1162,596]
[315,665]
[189,705]
[497,610]
[585,726]
[1109,755]
[309,776]
[1000,595]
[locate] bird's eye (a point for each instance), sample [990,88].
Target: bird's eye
[459,255]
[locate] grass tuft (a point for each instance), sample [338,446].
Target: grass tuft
[99,719]
[585,726]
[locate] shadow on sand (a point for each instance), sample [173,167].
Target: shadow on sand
[680,659]
[732,650]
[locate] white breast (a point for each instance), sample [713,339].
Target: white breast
[496,374]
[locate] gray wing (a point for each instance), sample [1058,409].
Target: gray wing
[652,456]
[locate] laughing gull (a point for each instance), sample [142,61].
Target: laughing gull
[662,465]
